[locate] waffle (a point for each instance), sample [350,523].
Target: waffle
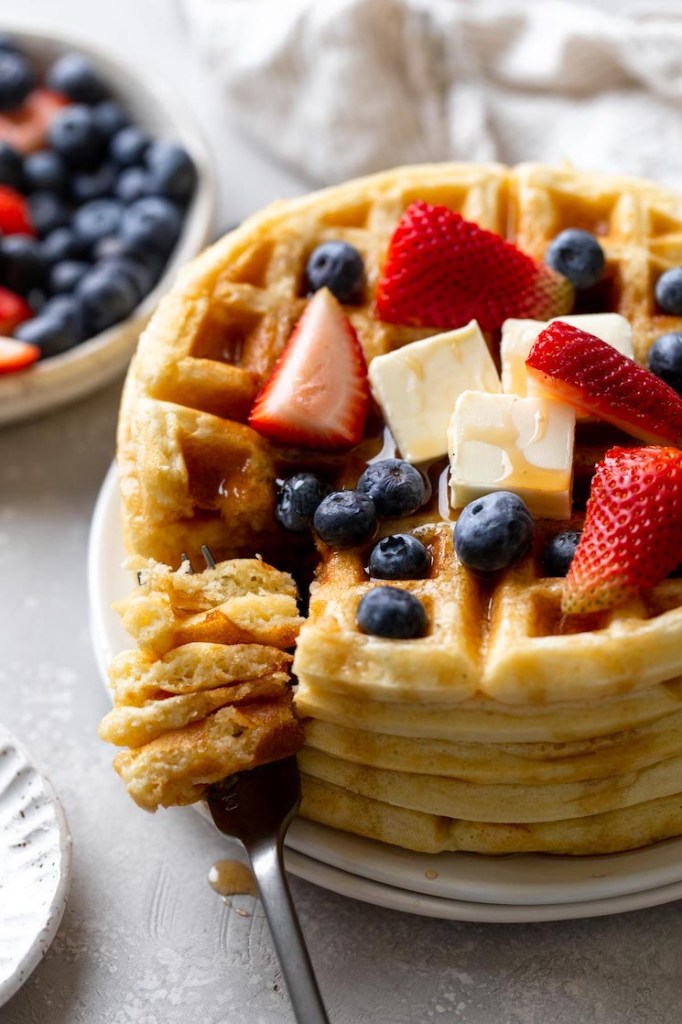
[507,727]
[207,692]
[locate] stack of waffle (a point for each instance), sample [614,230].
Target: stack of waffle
[506,728]
[207,692]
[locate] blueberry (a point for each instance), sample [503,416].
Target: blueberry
[345,518]
[171,170]
[141,274]
[48,212]
[665,359]
[399,557]
[558,554]
[52,334]
[62,244]
[11,167]
[298,500]
[74,75]
[113,247]
[8,42]
[669,291]
[64,307]
[151,223]
[578,256]
[492,531]
[73,133]
[129,145]
[97,219]
[45,171]
[106,295]
[392,613]
[16,79]
[22,264]
[95,184]
[132,183]
[109,117]
[339,267]
[396,487]
[65,275]
[36,299]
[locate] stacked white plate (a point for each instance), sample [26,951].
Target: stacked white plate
[457,886]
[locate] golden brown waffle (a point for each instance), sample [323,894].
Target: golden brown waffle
[499,664]
[508,641]
[241,601]
[208,691]
[191,472]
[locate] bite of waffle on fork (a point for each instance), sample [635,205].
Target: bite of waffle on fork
[207,692]
[498,654]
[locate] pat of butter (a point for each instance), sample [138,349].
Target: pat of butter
[507,443]
[417,387]
[518,337]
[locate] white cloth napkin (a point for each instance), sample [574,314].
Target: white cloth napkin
[336,88]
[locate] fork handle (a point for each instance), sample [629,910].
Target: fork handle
[268,868]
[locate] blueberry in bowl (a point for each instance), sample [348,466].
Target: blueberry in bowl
[70,222]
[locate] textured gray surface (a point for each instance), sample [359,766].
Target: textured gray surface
[144,939]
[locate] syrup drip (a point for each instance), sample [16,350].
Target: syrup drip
[389,449]
[444,508]
[232,878]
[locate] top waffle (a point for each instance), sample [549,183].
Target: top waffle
[193,473]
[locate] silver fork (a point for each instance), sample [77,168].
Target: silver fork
[257,808]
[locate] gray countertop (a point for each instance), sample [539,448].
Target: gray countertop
[144,939]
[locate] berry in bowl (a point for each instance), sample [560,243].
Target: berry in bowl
[105,190]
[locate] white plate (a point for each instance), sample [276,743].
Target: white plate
[361,888]
[61,379]
[35,865]
[523,881]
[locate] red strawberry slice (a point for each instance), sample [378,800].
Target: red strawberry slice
[14,216]
[317,394]
[632,536]
[13,311]
[580,369]
[16,355]
[25,127]
[443,271]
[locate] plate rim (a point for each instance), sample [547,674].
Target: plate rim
[54,910]
[614,876]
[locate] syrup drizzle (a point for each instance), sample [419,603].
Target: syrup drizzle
[232,878]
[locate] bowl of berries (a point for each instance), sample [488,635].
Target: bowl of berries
[106,189]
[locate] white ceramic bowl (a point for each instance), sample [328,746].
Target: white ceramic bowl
[35,865]
[60,379]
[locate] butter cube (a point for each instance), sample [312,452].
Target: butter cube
[418,385]
[507,443]
[518,337]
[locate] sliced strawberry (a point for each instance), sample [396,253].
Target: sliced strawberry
[16,355]
[25,128]
[13,311]
[632,536]
[443,271]
[14,216]
[317,394]
[593,376]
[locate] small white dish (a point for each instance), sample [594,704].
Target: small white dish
[59,380]
[460,886]
[35,865]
